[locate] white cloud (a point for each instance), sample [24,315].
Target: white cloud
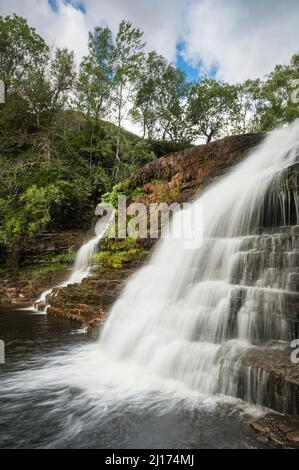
[245,39]
[161,21]
[65,28]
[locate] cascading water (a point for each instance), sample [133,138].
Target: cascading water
[191,315]
[81,267]
[186,327]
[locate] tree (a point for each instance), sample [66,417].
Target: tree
[243,111]
[21,49]
[172,106]
[95,79]
[161,100]
[127,61]
[276,101]
[95,75]
[149,88]
[62,78]
[211,105]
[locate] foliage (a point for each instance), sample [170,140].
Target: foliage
[119,258]
[210,107]
[21,50]
[62,139]
[277,97]
[159,101]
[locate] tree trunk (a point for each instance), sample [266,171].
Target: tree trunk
[209,137]
[118,137]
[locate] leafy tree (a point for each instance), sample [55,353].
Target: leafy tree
[242,116]
[160,100]
[128,58]
[276,100]
[211,105]
[95,76]
[21,49]
[36,204]
[149,88]
[172,106]
[95,80]
[62,78]
[29,217]
[36,91]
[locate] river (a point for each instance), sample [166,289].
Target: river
[58,390]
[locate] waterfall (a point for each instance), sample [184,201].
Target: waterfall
[81,267]
[191,314]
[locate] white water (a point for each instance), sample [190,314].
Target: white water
[81,267]
[174,318]
[172,321]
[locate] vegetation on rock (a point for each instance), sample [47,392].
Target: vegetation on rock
[63,144]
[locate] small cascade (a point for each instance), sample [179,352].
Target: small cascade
[195,315]
[81,267]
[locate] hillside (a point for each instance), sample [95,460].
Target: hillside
[174,177]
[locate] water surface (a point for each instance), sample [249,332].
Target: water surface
[58,390]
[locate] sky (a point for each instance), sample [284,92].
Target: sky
[231,40]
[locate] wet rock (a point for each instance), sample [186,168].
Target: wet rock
[268,377]
[88,303]
[293,438]
[281,430]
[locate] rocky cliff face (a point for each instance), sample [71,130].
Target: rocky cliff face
[46,262]
[175,177]
[180,175]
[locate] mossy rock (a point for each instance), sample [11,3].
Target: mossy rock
[119,259]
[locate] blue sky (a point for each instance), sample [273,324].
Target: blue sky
[79,5]
[230,39]
[192,73]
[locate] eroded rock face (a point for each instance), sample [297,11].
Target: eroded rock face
[88,303]
[46,262]
[268,377]
[180,175]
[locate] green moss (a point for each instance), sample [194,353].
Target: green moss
[125,244]
[118,259]
[60,258]
[33,270]
[159,181]
[136,193]
[166,195]
[121,189]
[52,268]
